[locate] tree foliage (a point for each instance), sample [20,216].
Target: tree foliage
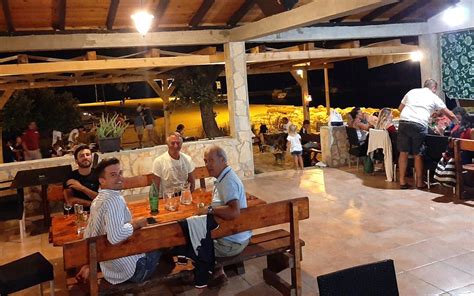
[197,85]
[50,110]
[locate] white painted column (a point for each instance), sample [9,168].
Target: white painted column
[238,103]
[430,65]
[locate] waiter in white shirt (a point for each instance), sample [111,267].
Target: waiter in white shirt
[416,109]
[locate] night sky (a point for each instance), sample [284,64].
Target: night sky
[351,84]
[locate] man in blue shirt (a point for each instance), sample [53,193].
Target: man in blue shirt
[228,198]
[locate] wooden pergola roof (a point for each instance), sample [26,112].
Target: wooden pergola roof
[74,16]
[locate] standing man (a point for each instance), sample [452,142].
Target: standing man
[139,125]
[111,216]
[416,109]
[82,185]
[228,197]
[149,124]
[173,168]
[31,142]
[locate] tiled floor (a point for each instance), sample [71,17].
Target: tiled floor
[354,219]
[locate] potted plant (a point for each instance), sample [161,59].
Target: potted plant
[109,133]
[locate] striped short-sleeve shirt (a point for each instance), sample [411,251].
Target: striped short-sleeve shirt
[111,216]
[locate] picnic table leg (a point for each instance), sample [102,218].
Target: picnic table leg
[93,285]
[295,249]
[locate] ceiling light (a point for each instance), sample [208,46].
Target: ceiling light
[455,16]
[416,56]
[142,20]
[299,72]
[308,98]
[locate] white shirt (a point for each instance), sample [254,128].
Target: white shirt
[295,142]
[73,135]
[420,103]
[111,216]
[172,172]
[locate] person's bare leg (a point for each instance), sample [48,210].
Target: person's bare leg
[295,158]
[140,140]
[300,160]
[419,170]
[403,163]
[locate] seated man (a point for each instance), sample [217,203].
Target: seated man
[82,185]
[111,216]
[173,168]
[227,200]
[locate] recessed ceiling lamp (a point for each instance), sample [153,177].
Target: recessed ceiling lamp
[299,72]
[142,20]
[416,56]
[455,16]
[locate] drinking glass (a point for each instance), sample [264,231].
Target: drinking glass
[67,208]
[171,201]
[186,196]
[82,222]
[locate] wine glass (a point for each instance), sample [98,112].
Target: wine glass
[67,208]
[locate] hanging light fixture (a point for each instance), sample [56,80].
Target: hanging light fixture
[142,20]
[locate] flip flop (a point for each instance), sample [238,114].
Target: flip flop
[404,186]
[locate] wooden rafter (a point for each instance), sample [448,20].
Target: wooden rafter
[59,15]
[409,10]
[199,15]
[160,11]
[315,11]
[270,7]
[339,19]
[113,8]
[284,69]
[8,16]
[240,13]
[378,12]
[7,93]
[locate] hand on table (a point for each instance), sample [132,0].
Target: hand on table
[74,184]
[139,223]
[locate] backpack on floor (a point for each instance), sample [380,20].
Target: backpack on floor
[445,172]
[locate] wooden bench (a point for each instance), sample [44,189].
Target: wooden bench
[282,248]
[200,173]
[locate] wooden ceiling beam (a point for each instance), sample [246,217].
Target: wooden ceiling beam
[7,93]
[240,13]
[378,12]
[59,15]
[102,65]
[113,8]
[270,7]
[409,10]
[160,11]
[199,15]
[339,19]
[313,12]
[8,16]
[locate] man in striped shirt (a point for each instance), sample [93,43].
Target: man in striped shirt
[111,216]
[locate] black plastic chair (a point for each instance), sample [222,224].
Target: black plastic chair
[435,146]
[373,279]
[355,148]
[26,272]
[12,206]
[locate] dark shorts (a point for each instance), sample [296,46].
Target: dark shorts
[297,153]
[411,136]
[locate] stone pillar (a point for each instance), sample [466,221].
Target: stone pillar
[334,146]
[430,64]
[238,103]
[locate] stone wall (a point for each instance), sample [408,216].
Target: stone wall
[135,162]
[334,145]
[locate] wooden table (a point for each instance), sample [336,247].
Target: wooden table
[63,229]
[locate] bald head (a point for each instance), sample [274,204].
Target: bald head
[174,143]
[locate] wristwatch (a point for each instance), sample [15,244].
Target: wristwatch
[210,209]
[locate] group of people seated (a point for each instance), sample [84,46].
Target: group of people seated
[99,189]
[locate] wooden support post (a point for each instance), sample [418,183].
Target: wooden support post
[93,284]
[301,76]
[326,90]
[1,147]
[5,96]
[164,91]
[295,244]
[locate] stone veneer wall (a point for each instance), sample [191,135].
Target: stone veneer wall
[334,145]
[137,162]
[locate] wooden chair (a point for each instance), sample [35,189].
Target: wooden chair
[461,145]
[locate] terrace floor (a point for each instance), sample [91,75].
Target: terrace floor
[354,219]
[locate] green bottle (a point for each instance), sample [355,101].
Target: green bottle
[153,199]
